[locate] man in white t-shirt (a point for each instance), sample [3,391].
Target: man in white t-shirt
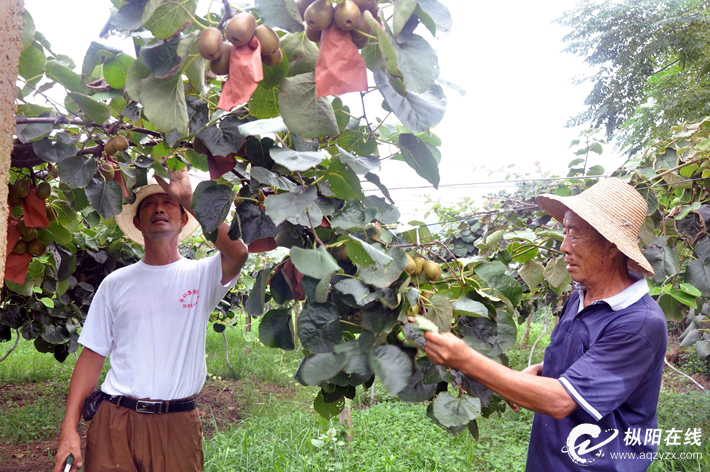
[152,318]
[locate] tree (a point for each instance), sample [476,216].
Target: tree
[651,65]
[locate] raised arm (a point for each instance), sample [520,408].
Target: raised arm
[234,253]
[84,380]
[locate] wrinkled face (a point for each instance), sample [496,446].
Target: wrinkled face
[159,215]
[588,255]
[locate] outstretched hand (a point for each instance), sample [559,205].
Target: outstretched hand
[447,349]
[179,187]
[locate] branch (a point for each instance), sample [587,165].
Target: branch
[17,341]
[227,14]
[681,373]
[308,213]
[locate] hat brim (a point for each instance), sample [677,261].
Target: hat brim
[557,207]
[125,219]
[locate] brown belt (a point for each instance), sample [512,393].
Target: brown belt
[148,406]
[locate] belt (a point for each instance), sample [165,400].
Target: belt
[148,406]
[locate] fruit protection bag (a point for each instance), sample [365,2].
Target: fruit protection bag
[34,210]
[16,265]
[340,67]
[245,73]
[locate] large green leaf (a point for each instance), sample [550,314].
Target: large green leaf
[403,9]
[434,15]
[56,150]
[556,271]
[359,164]
[417,154]
[77,171]
[355,293]
[357,354]
[417,390]
[342,181]
[96,111]
[316,263]
[384,44]
[134,77]
[321,367]
[212,204]
[264,102]
[303,112]
[532,274]
[272,179]
[453,413]
[672,308]
[95,55]
[350,217]
[254,305]
[302,53]
[165,58]
[419,64]
[116,69]
[104,196]
[164,104]
[663,259]
[169,17]
[28,32]
[224,139]
[382,275]
[418,112]
[295,160]
[65,76]
[195,70]
[697,273]
[291,205]
[275,329]
[486,270]
[385,213]
[508,286]
[31,66]
[279,14]
[392,366]
[319,327]
[364,254]
[328,409]
[259,127]
[468,307]
[440,312]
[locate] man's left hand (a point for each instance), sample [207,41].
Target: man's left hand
[179,187]
[447,349]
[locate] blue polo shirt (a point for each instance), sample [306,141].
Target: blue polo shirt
[609,358]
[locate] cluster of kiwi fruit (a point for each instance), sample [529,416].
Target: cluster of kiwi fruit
[28,236]
[240,30]
[115,144]
[347,15]
[416,265]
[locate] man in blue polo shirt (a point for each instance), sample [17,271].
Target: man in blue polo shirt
[596,393]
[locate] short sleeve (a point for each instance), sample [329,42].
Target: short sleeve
[97,332]
[609,372]
[213,272]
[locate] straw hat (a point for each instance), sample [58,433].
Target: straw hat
[612,207]
[125,218]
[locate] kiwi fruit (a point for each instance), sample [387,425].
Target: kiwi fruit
[268,39]
[52,214]
[36,247]
[414,310]
[347,15]
[319,15]
[109,147]
[343,253]
[199,147]
[221,65]
[22,227]
[411,265]
[22,187]
[29,236]
[120,143]
[432,270]
[44,190]
[302,5]
[419,261]
[273,59]
[313,35]
[210,44]
[108,170]
[20,247]
[13,196]
[358,38]
[240,29]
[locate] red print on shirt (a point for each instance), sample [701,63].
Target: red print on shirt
[190,298]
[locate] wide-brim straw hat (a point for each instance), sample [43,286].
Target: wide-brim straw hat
[612,207]
[125,219]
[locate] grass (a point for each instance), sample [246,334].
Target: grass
[279,431]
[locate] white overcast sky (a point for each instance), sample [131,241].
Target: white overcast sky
[506,56]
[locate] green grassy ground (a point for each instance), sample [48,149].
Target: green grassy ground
[278,431]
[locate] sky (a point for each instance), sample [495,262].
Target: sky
[506,56]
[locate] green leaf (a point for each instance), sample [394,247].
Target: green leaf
[486,270]
[321,367]
[697,273]
[116,69]
[596,147]
[31,66]
[28,31]
[302,53]
[418,112]
[95,55]
[259,127]
[342,181]
[392,366]
[417,154]
[418,62]
[316,263]
[77,171]
[104,196]
[303,112]
[372,178]
[272,179]
[468,307]
[135,75]
[595,170]
[440,312]
[532,274]
[164,105]
[434,15]
[165,58]
[690,290]
[291,205]
[59,233]
[254,305]
[225,139]
[364,254]
[385,213]
[319,327]
[417,390]
[195,70]
[387,51]
[264,102]
[664,260]
[508,286]
[556,271]
[672,308]
[355,293]
[359,164]
[65,76]
[350,217]
[295,160]
[382,275]
[453,413]
[327,410]
[279,14]
[55,151]
[684,298]
[212,204]
[169,17]
[48,302]
[522,252]
[95,111]
[275,329]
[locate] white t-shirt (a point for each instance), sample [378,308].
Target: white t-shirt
[153,322]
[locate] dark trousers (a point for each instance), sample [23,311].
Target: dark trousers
[123,440]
